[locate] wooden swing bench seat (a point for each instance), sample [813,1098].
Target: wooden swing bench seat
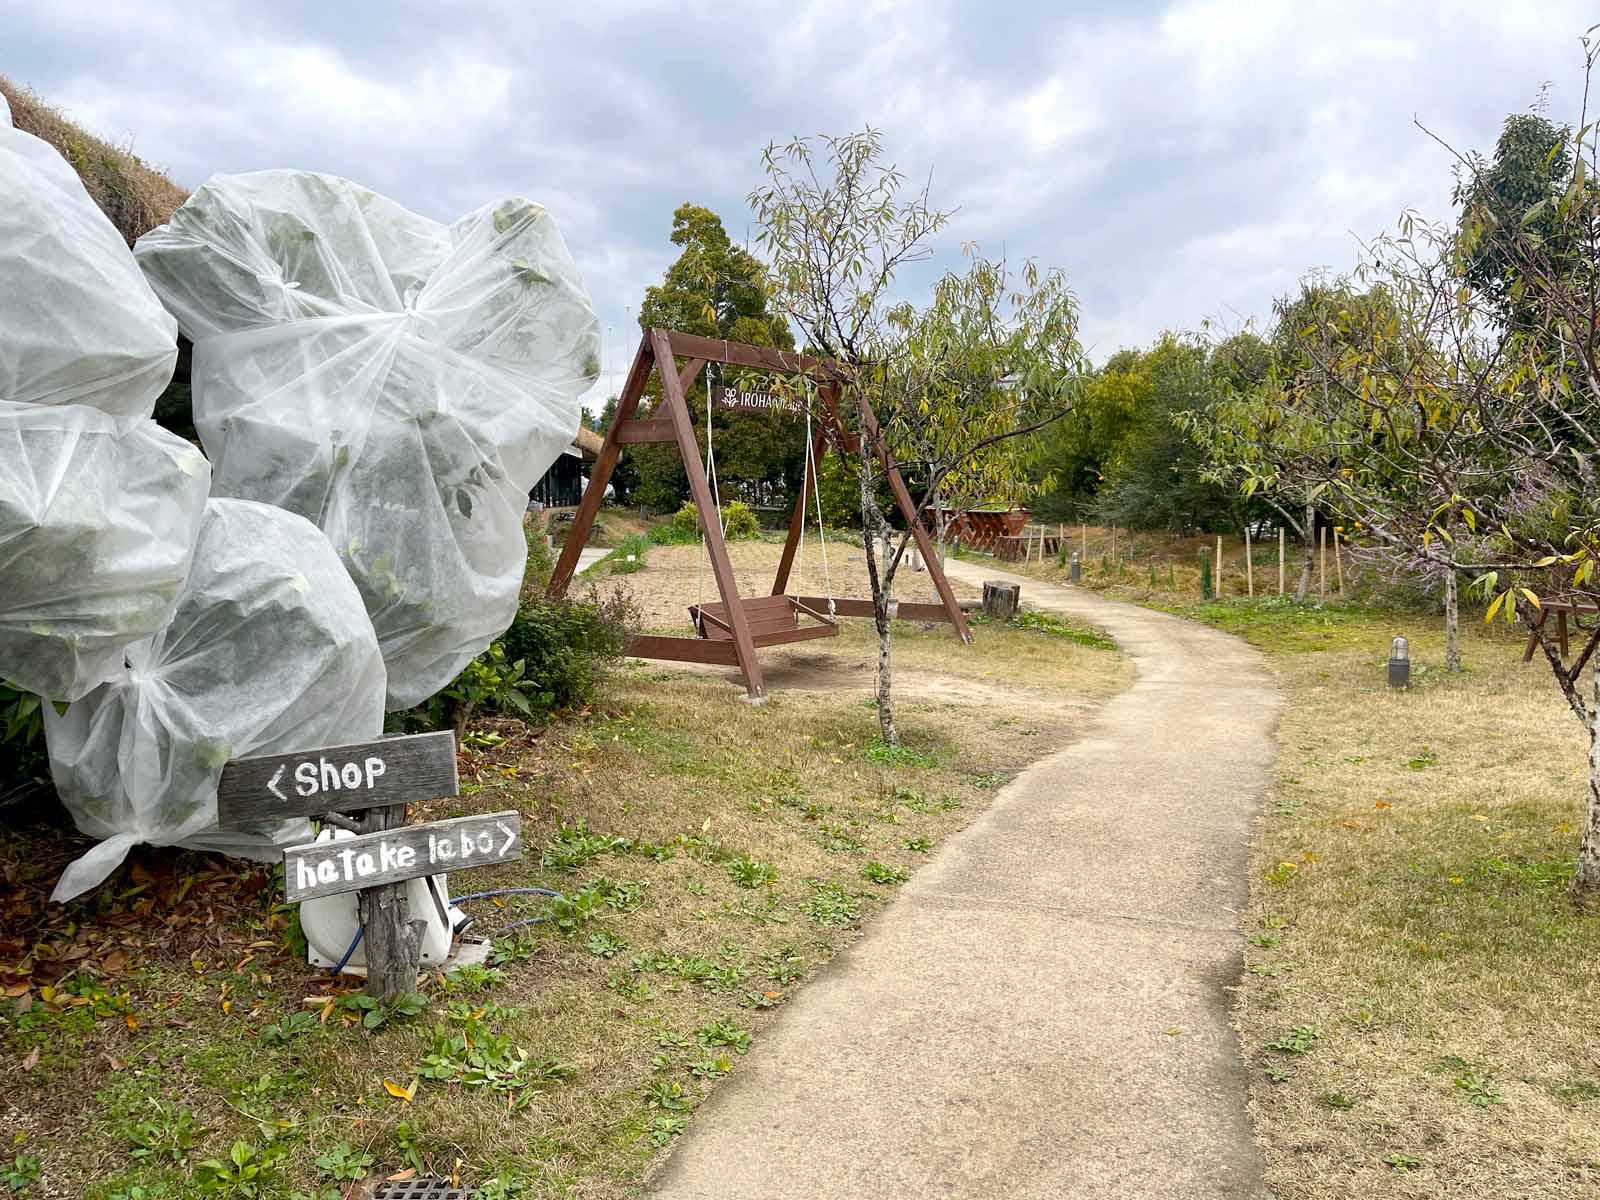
[774,621]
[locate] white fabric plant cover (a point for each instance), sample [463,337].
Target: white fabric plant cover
[78,322]
[97,522]
[270,651]
[399,382]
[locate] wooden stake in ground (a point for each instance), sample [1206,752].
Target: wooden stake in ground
[1218,588]
[1280,561]
[1322,562]
[1249,565]
[1338,562]
[1084,528]
[393,935]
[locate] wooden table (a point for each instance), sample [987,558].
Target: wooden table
[1561,608]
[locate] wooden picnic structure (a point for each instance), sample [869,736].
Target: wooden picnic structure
[1561,609]
[731,630]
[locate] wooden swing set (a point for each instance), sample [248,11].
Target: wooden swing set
[730,631]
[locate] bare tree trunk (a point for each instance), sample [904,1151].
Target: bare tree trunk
[872,524]
[1308,538]
[1587,880]
[1452,624]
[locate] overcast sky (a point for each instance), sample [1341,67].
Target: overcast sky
[1179,161]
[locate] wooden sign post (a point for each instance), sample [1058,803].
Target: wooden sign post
[378,778]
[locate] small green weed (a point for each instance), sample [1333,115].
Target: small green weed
[1299,1040]
[344,1163]
[883,753]
[243,1173]
[372,1013]
[1480,1089]
[831,904]
[20,1172]
[605,945]
[723,1033]
[279,1033]
[164,1139]
[878,872]
[748,872]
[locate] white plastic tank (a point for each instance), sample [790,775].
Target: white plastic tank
[330,922]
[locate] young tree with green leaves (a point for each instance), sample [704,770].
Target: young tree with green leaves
[991,358]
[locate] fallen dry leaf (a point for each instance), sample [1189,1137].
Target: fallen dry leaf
[31,1060]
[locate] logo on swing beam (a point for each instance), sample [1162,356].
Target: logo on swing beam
[743,401]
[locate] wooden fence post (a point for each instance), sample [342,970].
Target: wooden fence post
[1322,562]
[1280,559]
[1249,565]
[1338,564]
[1218,587]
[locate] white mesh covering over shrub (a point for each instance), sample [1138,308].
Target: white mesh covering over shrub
[270,651]
[97,522]
[399,382]
[78,322]
[98,506]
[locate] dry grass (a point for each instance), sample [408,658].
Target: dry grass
[708,794]
[133,194]
[1409,903]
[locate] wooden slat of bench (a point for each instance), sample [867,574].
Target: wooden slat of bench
[766,615]
[799,633]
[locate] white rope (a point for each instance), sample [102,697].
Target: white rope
[716,492]
[816,492]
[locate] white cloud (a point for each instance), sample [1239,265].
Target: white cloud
[1179,161]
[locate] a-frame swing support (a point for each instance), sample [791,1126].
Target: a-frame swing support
[659,351]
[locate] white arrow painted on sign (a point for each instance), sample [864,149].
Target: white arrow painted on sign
[511,835]
[272,784]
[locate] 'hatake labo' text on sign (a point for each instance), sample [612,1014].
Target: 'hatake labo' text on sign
[393,770]
[747,401]
[393,855]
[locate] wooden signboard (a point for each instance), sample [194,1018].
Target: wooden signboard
[308,783]
[395,855]
[739,400]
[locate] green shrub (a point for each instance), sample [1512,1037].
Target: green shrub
[541,562]
[739,524]
[682,528]
[566,646]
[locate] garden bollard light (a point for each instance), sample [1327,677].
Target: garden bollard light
[1077,568]
[1399,663]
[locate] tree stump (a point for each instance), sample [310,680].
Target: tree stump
[393,939]
[1000,600]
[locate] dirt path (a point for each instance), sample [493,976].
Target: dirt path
[1044,1012]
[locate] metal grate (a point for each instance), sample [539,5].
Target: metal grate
[424,1187]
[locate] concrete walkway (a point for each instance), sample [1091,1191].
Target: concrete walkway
[1044,1010]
